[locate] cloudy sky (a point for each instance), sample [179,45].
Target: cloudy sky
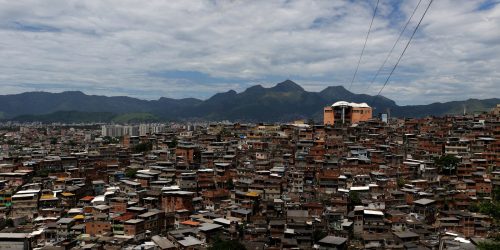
[149,49]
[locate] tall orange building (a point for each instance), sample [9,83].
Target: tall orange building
[346,113]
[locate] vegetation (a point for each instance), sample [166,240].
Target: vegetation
[285,101]
[135,118]
[173,143]
[495,194]
[71,143]
[318,235]
[401,182]
[489,207]
[88,117]
[142,147]
[447,164]
[67,117]
[354,199]
[222,134]
[229,184]
[489,245]
[45,172]
[9,222]
[109,140]
[220,244]
[131,172]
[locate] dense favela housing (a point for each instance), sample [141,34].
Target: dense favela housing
[355,181]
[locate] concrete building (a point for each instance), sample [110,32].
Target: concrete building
[343,112]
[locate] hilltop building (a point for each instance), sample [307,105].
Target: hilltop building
[346,113]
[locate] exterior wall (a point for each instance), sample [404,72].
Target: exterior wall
[136,230]
[186,153]
[361,114]
[25,207]
[155,224]
[173,203]
[119,207]
[328,117]
[352,115]
[97,227]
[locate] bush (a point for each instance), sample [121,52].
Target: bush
[143,147]
[130,173]
[220,244]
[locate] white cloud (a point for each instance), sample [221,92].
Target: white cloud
[112,47]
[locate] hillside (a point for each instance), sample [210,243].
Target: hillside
[283,102]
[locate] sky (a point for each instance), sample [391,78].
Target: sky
[151,49]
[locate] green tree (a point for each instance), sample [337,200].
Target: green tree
[9,222]
[229,184]
[173,143]
[491,208]
[220,244]
[42,173]
[142,147]
[354,199]
[131,172]
[495,194]
[401,182]
[474,207]
[489,245]
[447,164]
[318,235]
[109,139]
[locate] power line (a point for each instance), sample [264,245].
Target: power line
[394,46]
[364,45]
[404,50]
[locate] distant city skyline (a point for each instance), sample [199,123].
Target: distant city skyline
[196,49]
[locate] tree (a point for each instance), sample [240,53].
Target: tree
[474,207]
[131,172]
[173,143]
[142,147]
[318,235]
[496,194]
[401,182]
[109,139]
[9,222]
[489,245]
[220,244]
[42,173]
[229,184]
[354,198]
[71,143]
[447,164]
[490,208]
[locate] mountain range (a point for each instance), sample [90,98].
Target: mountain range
[283,102]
